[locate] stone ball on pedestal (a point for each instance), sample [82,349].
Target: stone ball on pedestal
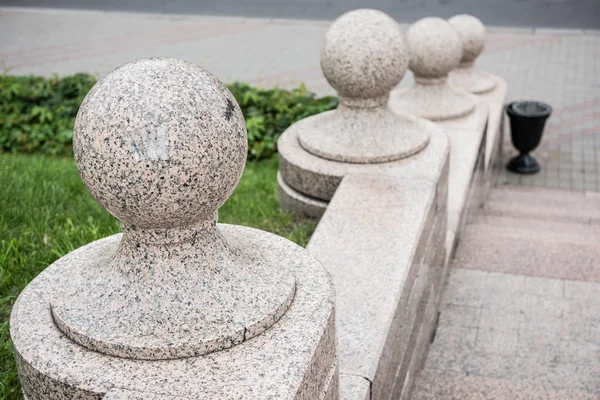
[435,49]
[364,56]
[168,307]
[161,144]
[472,35]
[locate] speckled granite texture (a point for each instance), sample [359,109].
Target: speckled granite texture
[319,178]
[290,360]
[363,129]
[472,35]
[176,305]
[435,50]
[382,239]
[161,144]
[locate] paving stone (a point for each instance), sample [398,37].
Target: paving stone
[447,359]
[582,308]
[512,283]
[452,314]
[491,365]
[494,318]
[542,305]
[582,290]
[465,287]
[587,330]
[452,337]
[579,352]
[497,341]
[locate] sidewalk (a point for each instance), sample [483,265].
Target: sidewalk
[561,67]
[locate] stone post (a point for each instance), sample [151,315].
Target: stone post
[178,305]
[363,57]
[435,50]
[472,35]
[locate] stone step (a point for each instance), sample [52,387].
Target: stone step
[530,246]
[545,204]
[531,228]
[440,385]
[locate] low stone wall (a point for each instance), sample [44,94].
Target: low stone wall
[388,230]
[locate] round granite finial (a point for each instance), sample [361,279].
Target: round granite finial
[161,144]
[364,56]
[472,33]
[435,50]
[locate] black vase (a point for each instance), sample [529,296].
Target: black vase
[527,120]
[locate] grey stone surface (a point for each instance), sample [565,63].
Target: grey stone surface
[354,387]
[144,139]
[370,240]
[435,50]
[472,36]
[298,203]
[319,178]
[192,308]
[363,129]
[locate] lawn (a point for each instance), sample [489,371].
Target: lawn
[45,212]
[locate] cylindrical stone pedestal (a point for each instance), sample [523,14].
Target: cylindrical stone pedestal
[178,305]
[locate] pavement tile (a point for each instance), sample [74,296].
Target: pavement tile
[544,286]
[494,318]
[582,308]
[512,283]
[582,290]
[498,366]
[542,305]
[452,314]
[579,352]
[497,341]
[587,330]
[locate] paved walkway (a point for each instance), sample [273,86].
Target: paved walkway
[561,67]
[521,313]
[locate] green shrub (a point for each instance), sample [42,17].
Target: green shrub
[37,114]
[269,112]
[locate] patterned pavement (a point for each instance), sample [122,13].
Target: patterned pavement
[561,67]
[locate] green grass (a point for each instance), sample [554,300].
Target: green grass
[45,212]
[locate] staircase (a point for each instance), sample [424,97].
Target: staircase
[520,317]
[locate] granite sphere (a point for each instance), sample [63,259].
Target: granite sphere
[160,143]
[364,54]
[472,34]
[435,47]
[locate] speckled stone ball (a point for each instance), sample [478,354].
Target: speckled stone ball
[364,55]
[472,34]
[160,143]
[435,47]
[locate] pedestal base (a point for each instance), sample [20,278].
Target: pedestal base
[295,358]
[523,164]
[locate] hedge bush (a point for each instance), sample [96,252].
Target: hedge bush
[37,114]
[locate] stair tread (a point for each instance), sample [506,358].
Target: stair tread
[532,229]
[544,204]
[438,385]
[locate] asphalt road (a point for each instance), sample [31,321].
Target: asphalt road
[578,14]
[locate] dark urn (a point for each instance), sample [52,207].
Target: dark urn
[527,120]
